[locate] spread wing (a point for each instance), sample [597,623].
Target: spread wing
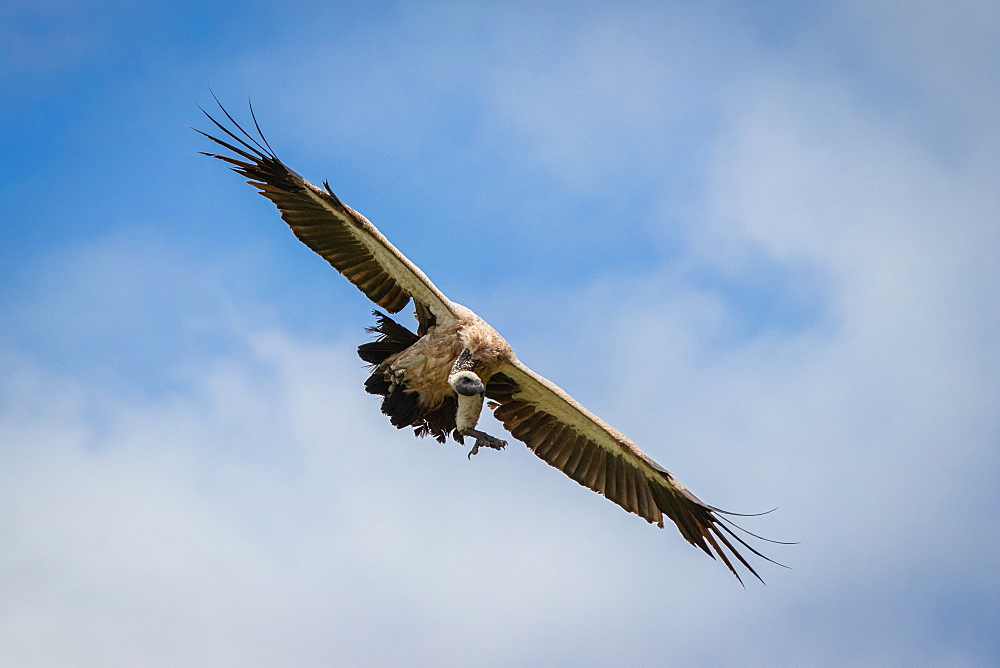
[334,230]
[577,442]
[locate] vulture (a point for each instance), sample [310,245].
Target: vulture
[436,379]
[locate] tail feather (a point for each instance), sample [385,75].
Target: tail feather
[403,408]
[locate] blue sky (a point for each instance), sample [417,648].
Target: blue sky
[761,241]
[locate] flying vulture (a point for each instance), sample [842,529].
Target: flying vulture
[435,379]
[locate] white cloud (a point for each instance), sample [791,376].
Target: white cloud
[166,532]
[607,88]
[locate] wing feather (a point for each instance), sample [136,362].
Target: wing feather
[572,439]
[335,231]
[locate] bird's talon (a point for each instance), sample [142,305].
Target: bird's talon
[484,441]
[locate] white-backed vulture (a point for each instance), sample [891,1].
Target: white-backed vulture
[435,379]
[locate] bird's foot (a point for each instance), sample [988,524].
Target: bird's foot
[397,379]
[483,440]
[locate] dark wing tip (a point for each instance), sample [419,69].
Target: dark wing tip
[317,217]
[252,148]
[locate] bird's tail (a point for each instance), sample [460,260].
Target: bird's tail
[403,407]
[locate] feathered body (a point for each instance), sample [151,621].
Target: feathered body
[412,371]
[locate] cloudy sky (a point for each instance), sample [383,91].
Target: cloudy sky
[763,242]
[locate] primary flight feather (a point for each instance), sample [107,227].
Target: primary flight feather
[435,379]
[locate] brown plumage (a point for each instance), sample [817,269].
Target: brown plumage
[435,379]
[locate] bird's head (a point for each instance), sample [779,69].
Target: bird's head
[466,383]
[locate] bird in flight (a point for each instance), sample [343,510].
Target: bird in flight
[437,378]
